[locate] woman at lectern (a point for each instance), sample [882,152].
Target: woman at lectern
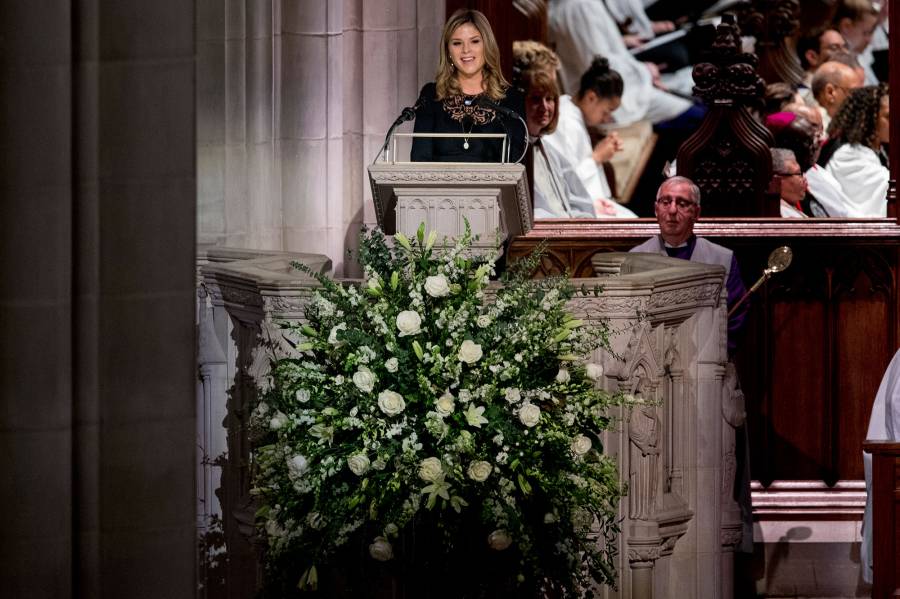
[469,95]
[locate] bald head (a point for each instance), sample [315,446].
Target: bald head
[832,84]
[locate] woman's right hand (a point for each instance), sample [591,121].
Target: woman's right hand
[607,147]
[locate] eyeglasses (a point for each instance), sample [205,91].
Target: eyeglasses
[798,174]
[680,203]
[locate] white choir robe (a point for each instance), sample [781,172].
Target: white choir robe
[884,425]
[582,29]
[788,211]
[623,10]
[863,179]
[572,141]
[829,194]
[556,196]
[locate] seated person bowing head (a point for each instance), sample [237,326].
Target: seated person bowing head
[599,94]
[469,95]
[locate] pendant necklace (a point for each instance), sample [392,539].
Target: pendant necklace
[462,123]
[466,133]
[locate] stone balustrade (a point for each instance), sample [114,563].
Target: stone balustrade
[675,447]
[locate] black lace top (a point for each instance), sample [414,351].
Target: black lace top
[464,114]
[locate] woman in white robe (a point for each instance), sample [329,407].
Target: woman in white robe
[583,29]
[852,155]
[557,192]
[601,93]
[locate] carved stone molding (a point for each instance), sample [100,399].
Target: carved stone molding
[453,180]
[703,295]
[731,537]
[644,553]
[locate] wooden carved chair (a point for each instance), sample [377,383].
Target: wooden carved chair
[728,156]
[774,23]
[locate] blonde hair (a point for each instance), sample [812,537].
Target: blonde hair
[530,55]
[446,84]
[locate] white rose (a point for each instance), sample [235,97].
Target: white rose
[409,322]
[391,530]
[512,395]
[279,420]
[593,371]
[391,365]
[364,380]
[444,404]
[549,518]
[332,336]
[391,402]
[469,352]
[437,286]
[483,321]
[562,376]
[302,395]
[358,464]
[581,445]
[479,470]
[529,414]
[430,469]
[297,466]
[381,549]
[499,540]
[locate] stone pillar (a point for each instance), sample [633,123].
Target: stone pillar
[294,99]
[249,291]
[669,353]
[97,299]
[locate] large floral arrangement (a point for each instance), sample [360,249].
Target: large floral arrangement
[432,419]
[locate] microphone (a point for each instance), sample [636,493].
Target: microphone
[407,114]
[510,114]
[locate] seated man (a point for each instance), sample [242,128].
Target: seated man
[814,50]
[831,85]
[791,182]
[677,210]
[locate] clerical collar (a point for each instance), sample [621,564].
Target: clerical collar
[687,242]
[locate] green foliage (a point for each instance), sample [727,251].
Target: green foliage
[431,402]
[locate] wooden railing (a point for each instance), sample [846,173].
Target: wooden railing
[885,517]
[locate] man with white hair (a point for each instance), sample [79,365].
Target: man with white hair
[677,209]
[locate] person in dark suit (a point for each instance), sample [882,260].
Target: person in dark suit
[469,95]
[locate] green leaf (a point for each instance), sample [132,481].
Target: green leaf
[562,335]
[523,484]
[402,240]
[420,233]
[431,239]
[309,331]
[395,280]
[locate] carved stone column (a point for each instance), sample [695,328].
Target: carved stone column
[252,294]
[669,353]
